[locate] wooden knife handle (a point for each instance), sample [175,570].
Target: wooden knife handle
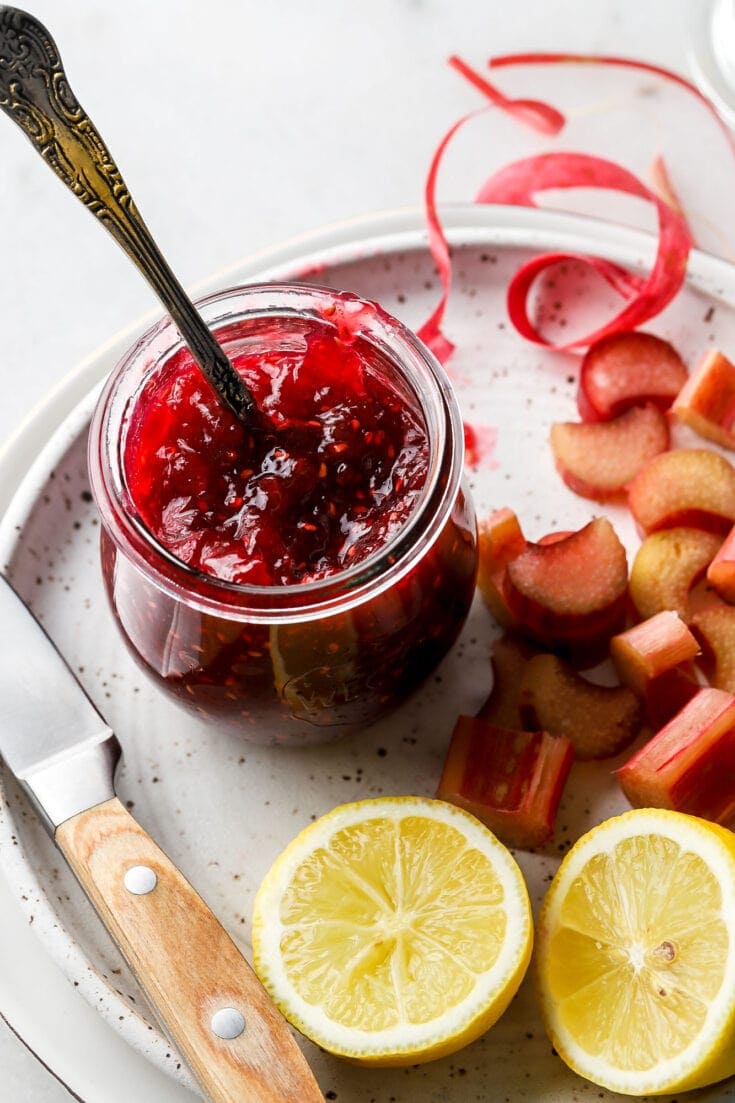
[185,961]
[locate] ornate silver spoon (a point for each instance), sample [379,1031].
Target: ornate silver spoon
[35,93]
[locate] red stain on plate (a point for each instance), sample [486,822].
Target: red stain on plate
[479,446]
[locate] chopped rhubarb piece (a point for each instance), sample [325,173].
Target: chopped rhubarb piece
[651,648]
[598,720]
[654,659]
[692,486]
[500,540]
[715,629]
[707,400]
[510,780]
[570,595]
[598,460]
[689,766]
[666,567]
[721,571]
[667,693]
[501,536]
[555,537]
[509,657]
[628,369]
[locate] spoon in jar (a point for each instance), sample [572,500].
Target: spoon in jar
[35,93]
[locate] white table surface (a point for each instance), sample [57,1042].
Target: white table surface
[238,123]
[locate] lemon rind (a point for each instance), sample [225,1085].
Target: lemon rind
[475,1014]
[702,1062]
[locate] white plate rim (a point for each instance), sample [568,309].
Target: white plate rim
[704,61]
[61,1028]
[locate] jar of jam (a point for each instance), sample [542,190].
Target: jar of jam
[294,581]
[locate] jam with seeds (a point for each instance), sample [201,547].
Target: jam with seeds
[333,480]
[296,581]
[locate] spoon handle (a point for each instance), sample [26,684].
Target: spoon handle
[35,93]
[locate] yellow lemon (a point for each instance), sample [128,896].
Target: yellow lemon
[635,954]
[393,931]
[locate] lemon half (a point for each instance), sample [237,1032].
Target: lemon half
[635,954]
[393,931]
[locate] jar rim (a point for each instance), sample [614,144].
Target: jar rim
[301,601]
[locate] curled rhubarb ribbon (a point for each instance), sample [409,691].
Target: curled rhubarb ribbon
[520,182]
[504,61]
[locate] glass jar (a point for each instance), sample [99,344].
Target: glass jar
[291,664]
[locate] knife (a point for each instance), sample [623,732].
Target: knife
[205,994]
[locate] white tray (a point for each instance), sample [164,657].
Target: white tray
[224,809]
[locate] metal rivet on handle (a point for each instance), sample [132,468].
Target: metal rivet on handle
[140,880]
[228,1023]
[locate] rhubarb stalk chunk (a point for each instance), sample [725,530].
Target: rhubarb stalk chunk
[714,627]
[721,571]
[667,693]
[510,780]
[666,566]
[691,486]
[599,460]
[571,592]
[651,648]
[654,658]
[690,765]
[628,369]
[509,658]
[500,539]
[707,401]
[598,720]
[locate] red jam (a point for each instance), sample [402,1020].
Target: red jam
[333,482]
[206,526]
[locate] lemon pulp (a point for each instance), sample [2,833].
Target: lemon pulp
[387,927]
[635,956]
[395,932]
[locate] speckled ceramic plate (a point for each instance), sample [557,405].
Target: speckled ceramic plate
[224,809]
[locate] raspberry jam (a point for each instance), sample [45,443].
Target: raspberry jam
[293,582]
[333,482]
